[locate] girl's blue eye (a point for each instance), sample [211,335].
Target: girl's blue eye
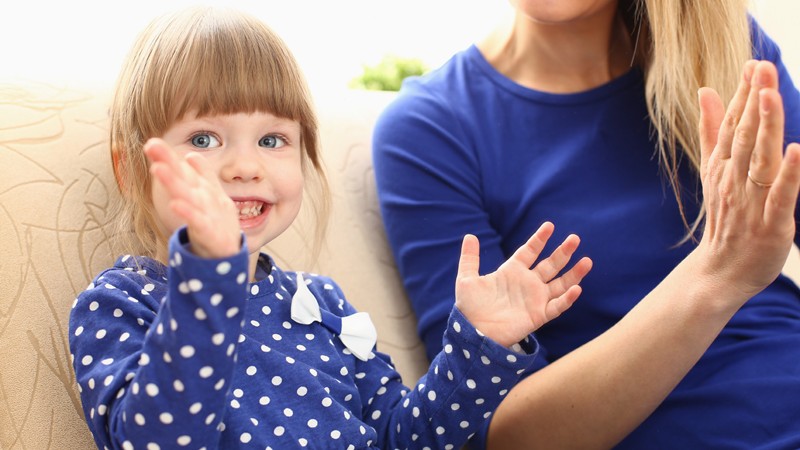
[204,140]
[271,141]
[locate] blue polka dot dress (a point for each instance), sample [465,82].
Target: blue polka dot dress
[192,355]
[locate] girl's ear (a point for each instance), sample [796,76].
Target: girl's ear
[119,168]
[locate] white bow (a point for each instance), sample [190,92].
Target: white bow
[356,331]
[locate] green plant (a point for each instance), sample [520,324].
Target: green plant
[388,74]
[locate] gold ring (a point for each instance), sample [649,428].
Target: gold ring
[758,183]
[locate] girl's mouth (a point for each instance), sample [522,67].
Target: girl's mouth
[250,209]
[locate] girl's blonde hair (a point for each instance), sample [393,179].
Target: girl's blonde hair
[683,45]
[212,61]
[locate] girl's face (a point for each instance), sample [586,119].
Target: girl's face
[257,158]
[562,11]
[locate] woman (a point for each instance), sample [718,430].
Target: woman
[585,113]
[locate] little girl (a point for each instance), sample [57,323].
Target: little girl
[202,341]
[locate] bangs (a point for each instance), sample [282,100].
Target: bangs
[228,63]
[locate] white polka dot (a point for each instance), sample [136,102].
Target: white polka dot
[108,380]
[78,331]
[326,402]
[151,389]
[102,409]
[127,445]
[93,306]
[303,442]
[276,380]
[440,430]
[86,360]
[457,327]
[312,423]
[117,312]
[245,438]
[165,418]
[464,424]
[278,431]
[302,391]
[466,354]
[187,351]
[376,415]
[144,359]
[183,287]
[139,419]
[485,360]
[107,361]
[216,299]
[266,310]
[206,371]
[336,434]
[448,349]
[178,259]
[254,289]
[220,384]
[479,401]
[511,358]
[195,408]
[495,380]
[223,268]
[231,312]
[200,314]
[178,385]
[263,401]
[124,336]
[195,285]
[288,412]
[471,384]
[235,404]
[153,446]
[210,418]
[241,278]
[218,338]
[455,406]
[184,440]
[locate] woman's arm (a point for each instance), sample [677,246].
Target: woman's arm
[597,394]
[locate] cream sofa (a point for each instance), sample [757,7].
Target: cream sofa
[56,188]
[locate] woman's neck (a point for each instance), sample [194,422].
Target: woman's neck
[561,58]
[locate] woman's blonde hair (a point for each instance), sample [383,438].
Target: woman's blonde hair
[211,61]
[683,45]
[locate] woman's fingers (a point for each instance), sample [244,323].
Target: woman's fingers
[712,111]
[782,198]
[735,111]
[765,160]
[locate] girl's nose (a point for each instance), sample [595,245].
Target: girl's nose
[241,163]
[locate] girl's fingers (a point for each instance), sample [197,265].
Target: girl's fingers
[553,264]
[765,161]
[469,262]
[530,251]
[735,110]
[572,278]
[558,305]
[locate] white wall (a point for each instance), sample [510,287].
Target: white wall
[780,20]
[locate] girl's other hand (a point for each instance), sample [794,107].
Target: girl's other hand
[197,199]
[517,299]
[750,187]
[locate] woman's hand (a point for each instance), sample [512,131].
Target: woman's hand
[197,199]
[750,188]
[514,301]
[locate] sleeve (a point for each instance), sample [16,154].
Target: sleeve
[152,372]
[465,383]
[766,49]
[430,196]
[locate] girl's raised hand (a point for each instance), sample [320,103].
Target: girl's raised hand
[750,187]
[517,299]
[196,198]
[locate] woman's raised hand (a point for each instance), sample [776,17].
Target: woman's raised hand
[197,199]
[517,299]
[750,186]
